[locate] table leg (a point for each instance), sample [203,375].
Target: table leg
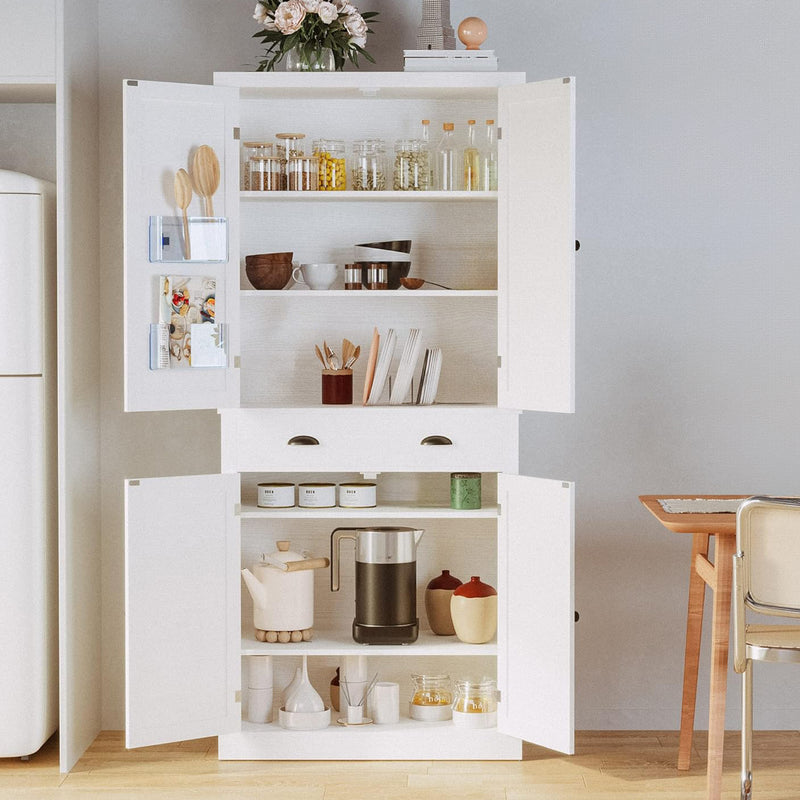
[724,548]
[691,659]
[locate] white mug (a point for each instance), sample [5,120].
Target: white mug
[384,703]
[315,276]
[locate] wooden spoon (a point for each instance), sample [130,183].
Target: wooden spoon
[205,175]
[183,196]
[319,356]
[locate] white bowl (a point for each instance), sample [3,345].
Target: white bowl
[463,719]
[297,721]
[430,713]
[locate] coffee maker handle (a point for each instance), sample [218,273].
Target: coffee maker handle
[336,538]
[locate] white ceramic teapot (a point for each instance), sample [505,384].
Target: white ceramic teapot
[282,588]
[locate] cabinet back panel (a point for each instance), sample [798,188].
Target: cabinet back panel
[465,547]
[280,368]
[453,243]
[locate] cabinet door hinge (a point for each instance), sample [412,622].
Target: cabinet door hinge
[132,83]
[499,362]
[236,134]
[499,133]
[237,509]
[237,696]
[237,362]
[499,509]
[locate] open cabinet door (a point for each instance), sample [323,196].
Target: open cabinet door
[536,246]
[164,125]
[182,606]
[536,609]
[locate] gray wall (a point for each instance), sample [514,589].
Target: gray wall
[687,326]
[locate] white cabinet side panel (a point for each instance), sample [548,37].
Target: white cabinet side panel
[29,42]
[182,630]
[164,124]
[536,246]
[21,276]
[28,574]
[536,608]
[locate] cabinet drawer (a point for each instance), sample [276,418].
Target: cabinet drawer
[354,439]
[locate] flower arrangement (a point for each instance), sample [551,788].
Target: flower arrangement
[309,26]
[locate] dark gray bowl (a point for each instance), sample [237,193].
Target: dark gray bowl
[397,245]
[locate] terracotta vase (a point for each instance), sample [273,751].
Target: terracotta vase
[473,608]
[437,603]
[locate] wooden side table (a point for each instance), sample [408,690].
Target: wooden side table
[718,576]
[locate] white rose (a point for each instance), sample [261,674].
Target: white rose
[260,14]
[346,8]
[289,16]
[310,5]
[357,28]
[327,12]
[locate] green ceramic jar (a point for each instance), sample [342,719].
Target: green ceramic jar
[465,490]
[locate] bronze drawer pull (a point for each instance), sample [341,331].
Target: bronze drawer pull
[303,440]
[436,440]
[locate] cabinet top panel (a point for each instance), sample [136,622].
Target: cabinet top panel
[388,85]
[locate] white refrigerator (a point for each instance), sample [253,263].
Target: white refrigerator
[28,471]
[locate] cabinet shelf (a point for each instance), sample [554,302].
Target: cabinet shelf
[408,739]
[389,196]
[364,295]
[340,643]
[408,510]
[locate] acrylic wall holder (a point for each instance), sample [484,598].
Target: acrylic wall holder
[206,347]
[208,237]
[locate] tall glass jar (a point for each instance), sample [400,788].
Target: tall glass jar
[471,161]
[445,166]
[330,154]
[289,145]
[411,166]
[251,150]
[264,174]
[368,166]
[489,158]
[303,174]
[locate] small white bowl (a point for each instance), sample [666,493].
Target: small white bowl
[463,719]
[430,713]
[297,721]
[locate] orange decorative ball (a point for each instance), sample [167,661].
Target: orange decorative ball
[472,32]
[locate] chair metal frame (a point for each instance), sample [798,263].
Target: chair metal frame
[751,534]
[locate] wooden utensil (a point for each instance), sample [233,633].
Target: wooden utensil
[320,357]
[205,175]
[183,196]
[417,283]
[373,357]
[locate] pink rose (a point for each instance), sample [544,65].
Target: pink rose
[289,16]
[327,12]
[357,28]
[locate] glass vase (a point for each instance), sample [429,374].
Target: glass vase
[299,60]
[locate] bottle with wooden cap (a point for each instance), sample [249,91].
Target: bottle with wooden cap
[445,172]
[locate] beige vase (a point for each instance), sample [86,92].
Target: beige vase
[473,608]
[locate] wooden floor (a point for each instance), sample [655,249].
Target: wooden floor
[606,766]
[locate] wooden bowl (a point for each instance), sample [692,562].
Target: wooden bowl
[269,270]
[269,276]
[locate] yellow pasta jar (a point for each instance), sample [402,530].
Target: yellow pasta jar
[332,171]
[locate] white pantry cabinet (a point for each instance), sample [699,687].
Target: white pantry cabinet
[507,333]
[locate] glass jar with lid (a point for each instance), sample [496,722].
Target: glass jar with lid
[411,166]
[303,174]
[251,150]
[368,166]
[475,703]
[289,145]
[332,174]
[264,174]
[432,699]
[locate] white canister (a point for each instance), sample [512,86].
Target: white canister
[358,495]
[275,495]
[316,495]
